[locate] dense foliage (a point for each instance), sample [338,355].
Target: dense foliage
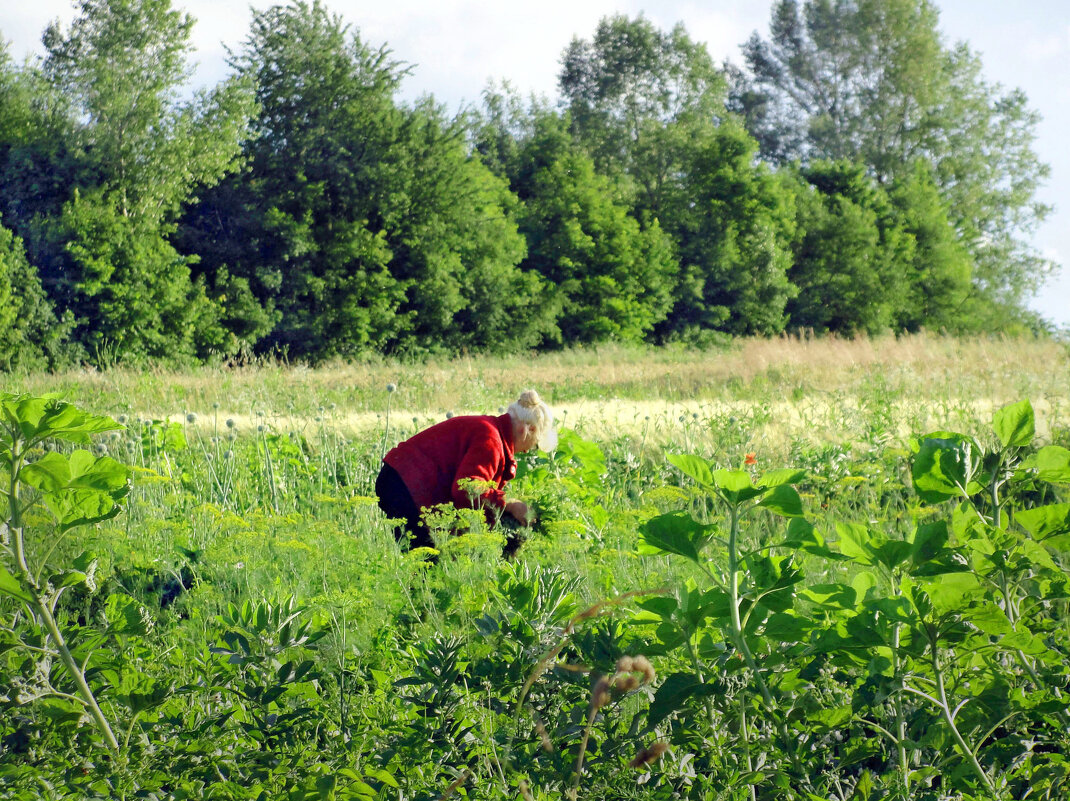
[214,609]
[859,175]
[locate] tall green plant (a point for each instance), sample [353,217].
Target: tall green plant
[749,580]
[79,489]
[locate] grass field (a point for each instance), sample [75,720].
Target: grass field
[854,627]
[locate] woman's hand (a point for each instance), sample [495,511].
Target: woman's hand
[520,511]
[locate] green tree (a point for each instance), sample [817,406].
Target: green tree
[119,68]
[636,96]
[301,225]
[359,224]
[612,280]
[733,222]
[872,81]
[988,174]
[939,272]
[30,335]
[839,80]
[456,244]
[851,253]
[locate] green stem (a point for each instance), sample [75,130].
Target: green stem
[996,516]
[900,721]
[945,709]
[740,637]
[42,608]
[746,742]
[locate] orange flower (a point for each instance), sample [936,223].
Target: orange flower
[750,459]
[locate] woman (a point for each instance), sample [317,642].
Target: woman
[431,467]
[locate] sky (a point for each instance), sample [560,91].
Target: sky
[456,46]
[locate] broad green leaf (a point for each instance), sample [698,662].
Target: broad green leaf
[9,585]
[990,619]
[1043,522]
[929,540]
[736,485]
[673,694]
[784,501]
[325,786]
[1025,641]
[80,507]
[775,478]
[896,609]
[104,473]
[788,627]
[41,417]
[1037,554]
[662,606]
[50,473]
[676,532]
[174,438]
[1053,464]
[950,592]
[832,718]
[694,466]
[893,553]
[944,467]
[840,596]
[855,542]
[124,615]
[66,578]
[54,473]
[862,583]
[382,776]
[802,534]
[1015,424]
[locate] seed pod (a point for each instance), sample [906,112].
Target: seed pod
[600,693]
[641,664]
[651,753]
[544,738]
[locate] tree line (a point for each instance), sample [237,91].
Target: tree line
[855,174]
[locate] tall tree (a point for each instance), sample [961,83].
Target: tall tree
[612,280]
[358,224]
[850,254]
[939,271]
[298,233]
[872,81]
[733,222]
[120,67]
[636,94]
[30,335]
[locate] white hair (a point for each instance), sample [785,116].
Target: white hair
[529,408]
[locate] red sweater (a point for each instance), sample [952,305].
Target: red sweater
[433,461]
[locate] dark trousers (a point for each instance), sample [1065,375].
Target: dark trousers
[396,502]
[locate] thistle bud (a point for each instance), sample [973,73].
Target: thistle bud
[641,664]
[651,753]
[600,693]
[544,738]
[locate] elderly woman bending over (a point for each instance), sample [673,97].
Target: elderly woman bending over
[430,467]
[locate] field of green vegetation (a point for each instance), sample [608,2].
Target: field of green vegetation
[789,569]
